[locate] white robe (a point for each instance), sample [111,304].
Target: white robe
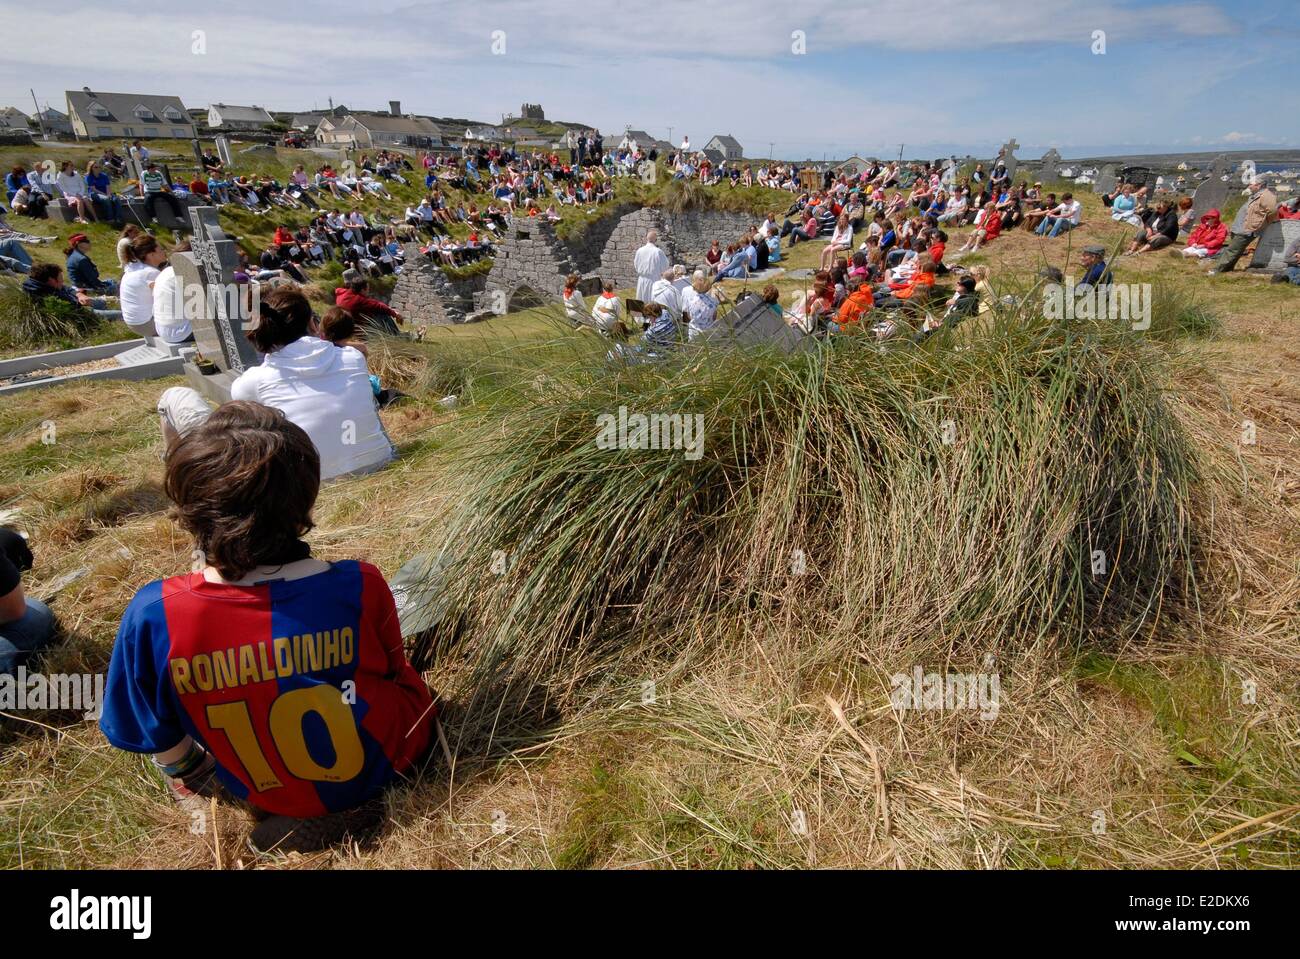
[649,263]
[665,294]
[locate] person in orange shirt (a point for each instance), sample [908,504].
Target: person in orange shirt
[900,294]
[858,302]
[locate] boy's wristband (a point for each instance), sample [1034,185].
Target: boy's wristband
[187,764]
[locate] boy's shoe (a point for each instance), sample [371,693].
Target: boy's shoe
[280,835]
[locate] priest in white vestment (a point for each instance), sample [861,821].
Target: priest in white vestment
[649,263]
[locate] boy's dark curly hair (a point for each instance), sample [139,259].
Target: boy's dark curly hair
[244,484]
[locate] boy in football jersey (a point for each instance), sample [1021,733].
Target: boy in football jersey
[282,675]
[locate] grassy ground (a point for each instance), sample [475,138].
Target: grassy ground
[1140,751]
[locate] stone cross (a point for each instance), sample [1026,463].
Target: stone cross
[219,325]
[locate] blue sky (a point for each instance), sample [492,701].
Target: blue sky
[940,76]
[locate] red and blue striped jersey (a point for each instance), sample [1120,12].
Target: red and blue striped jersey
[299,688]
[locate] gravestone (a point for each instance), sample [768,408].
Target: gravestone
[949,179]
[223,150]
[1008,157]
[1051,166]
[1107,180]
[1246,172]
[1212,194]
[753,323]
[142,354]
[1276,238]
[1140,177]
[218,324]
[1240,219]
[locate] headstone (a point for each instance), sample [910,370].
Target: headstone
[1140,176]
[1008,157]
[1239,220]
[1212,194]
[1246,171]
[223,150]
[949,178]
[133,169]
[218,326]
[1051,166]
[141,354]
[1107,180]
[754,323]
[198,153]
[1276,238]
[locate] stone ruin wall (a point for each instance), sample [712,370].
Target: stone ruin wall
[424,294]
[532,256]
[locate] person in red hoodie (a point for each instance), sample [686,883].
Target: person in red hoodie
[368,311]
[936,251]
[1289,211]
[1207,239]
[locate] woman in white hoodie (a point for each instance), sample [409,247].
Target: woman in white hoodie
[323,388]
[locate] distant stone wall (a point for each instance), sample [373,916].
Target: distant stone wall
[424,294]
[692,231]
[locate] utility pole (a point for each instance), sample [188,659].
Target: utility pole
[771,150]
[670,136]
[900,152]
[39,122]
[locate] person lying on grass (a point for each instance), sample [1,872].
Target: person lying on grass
[266,674]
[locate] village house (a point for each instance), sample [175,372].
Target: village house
[101,116]
[854,166]
[54,121]
[378,130]
[485,134]
[223,116]
[308,121]
[11,118]
[727,145]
